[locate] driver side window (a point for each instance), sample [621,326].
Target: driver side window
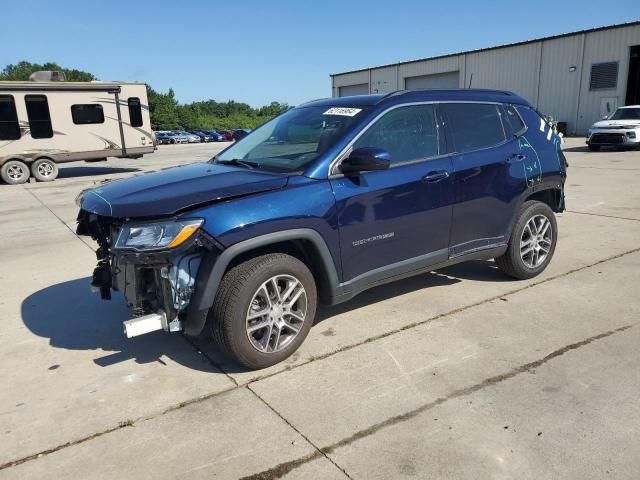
[406,133]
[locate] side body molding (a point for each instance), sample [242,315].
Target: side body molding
[214,265]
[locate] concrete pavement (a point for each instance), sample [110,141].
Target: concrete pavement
[460,373]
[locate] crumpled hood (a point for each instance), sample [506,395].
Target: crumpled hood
[171,190]
[616,123]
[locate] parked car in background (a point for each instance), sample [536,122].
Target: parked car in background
[228,135]
[217,137]
[360,191]
[622,129]
[191,138]
[240,133]
[162,138]
[204,135]
[175,137]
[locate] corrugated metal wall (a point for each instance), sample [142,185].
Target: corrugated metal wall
[552,74]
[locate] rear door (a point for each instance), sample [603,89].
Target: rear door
[402,213]
[487,161]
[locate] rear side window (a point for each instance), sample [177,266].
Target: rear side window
[406,133]
[473,126]
[9,127]
[87,114]
[514,120]
[135,111]
[38,116]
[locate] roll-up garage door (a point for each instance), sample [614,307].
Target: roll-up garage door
[360,89]
[438,80]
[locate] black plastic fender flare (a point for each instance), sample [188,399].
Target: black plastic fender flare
[215,264]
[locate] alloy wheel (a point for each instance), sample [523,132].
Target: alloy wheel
[276,313]
[536,241]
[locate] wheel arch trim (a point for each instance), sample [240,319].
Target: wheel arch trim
[215,264]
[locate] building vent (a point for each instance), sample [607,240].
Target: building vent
[604,76]
[47,76]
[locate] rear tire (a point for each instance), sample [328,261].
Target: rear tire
[44,170]
[14,172]
[532,243]
[594,148]
[263,310]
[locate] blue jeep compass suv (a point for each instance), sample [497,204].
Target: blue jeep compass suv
[324,201]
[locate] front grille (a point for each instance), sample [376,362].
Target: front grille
[608,138]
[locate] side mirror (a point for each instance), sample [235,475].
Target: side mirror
[365,159]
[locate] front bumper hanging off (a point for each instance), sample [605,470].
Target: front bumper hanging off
[157,285]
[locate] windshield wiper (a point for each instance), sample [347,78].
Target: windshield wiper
[237,161]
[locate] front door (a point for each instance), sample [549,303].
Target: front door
[398,217]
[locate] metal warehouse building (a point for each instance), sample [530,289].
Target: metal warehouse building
[576,77]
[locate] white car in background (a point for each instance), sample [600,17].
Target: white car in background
[620,129]
[191,138]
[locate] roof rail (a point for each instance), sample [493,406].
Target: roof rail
[457,90]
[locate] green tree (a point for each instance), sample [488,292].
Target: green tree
[22,70]
[163,109]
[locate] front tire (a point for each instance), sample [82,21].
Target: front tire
[44,170]
[532,243]
[263,310]
[14,172]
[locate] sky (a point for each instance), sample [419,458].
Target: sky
[273,50]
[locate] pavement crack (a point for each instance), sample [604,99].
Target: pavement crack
[59,219]
[211,360]
[321,357]
[603,215]
[282,469]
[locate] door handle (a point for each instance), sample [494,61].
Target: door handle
[433,177]
[516,157]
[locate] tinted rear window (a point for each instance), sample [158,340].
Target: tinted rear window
[514,120]
[9,127]
[473,125]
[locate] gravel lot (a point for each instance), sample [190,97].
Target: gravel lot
[460,373]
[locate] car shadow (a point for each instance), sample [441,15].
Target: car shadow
[72,172]
[73,318]
[479,270]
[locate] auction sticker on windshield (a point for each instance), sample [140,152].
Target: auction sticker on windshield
[344,111]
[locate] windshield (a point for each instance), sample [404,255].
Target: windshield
[291,141]
[626,114]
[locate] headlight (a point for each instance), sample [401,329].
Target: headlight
[79,198]
[154,236]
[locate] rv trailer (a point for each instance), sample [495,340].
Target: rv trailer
[44,123]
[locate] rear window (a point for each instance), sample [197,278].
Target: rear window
[9,126]
[87,114]
[38,116]
[473,126]
[135,111]
[514,120]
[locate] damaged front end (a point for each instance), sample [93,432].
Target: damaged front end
[153,264]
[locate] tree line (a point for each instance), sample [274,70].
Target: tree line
[166,112]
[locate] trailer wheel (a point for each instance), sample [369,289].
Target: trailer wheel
[44,170]
[14,172]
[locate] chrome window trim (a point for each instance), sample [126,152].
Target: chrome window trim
[348,148]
